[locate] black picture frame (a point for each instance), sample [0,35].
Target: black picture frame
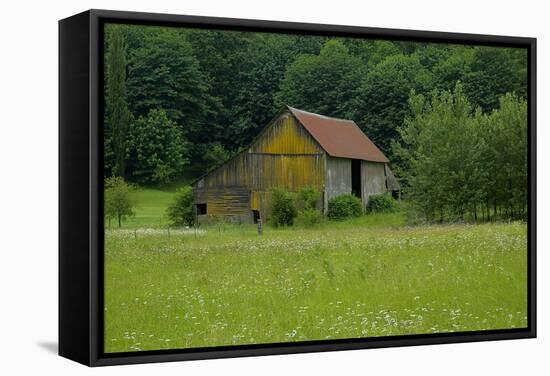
[81,191]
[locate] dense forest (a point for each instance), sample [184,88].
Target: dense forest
[452,119]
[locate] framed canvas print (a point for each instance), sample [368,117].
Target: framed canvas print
[236,187]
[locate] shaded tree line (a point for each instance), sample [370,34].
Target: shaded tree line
[461,163]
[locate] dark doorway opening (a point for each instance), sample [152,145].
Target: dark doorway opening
[395,194]
[356,177]
[201,209]
[256,215]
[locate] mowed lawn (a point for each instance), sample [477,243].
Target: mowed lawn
[150,209]
[368,277]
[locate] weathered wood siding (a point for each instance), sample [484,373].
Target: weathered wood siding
[285,171]
[232,173]
[393,184]
[338,178]
[285,136]
[373,179]
[231,202]
[284,155]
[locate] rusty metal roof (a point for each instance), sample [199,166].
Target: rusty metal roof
[339,137]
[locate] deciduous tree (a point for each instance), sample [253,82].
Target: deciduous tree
[159,151]
[118,200]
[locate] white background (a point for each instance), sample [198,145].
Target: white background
[28,185]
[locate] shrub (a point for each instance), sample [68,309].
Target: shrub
[118,200]
[283,210]
[180,211]
[309,217]
[308,197]
[344,206]
[381,203]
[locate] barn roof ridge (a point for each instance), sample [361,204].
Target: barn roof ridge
[339,137]
[292,109]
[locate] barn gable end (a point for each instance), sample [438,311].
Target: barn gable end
[285,135]
[283,155]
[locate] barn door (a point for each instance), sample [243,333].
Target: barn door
[356,177]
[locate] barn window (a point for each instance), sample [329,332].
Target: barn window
[201,209]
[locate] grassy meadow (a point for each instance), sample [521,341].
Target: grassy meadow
[367,277]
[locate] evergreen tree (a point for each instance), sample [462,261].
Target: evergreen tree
[117,113]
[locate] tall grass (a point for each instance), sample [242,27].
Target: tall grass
[365,277]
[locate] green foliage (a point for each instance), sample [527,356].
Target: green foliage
[158,151]
[505,158]
[163,73]
[324,83]
[382,203]
[273,54]
[118,200]
[455,67]
[117,115]
[308,198]
[283,209]
[494,72]
[460,161]
[244,71]
[309,217]
[430,54]
[181,211]
[344,207]
[215,154]
[441,153]
[382,97]
[371,52]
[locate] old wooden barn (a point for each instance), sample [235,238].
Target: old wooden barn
[296,149]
